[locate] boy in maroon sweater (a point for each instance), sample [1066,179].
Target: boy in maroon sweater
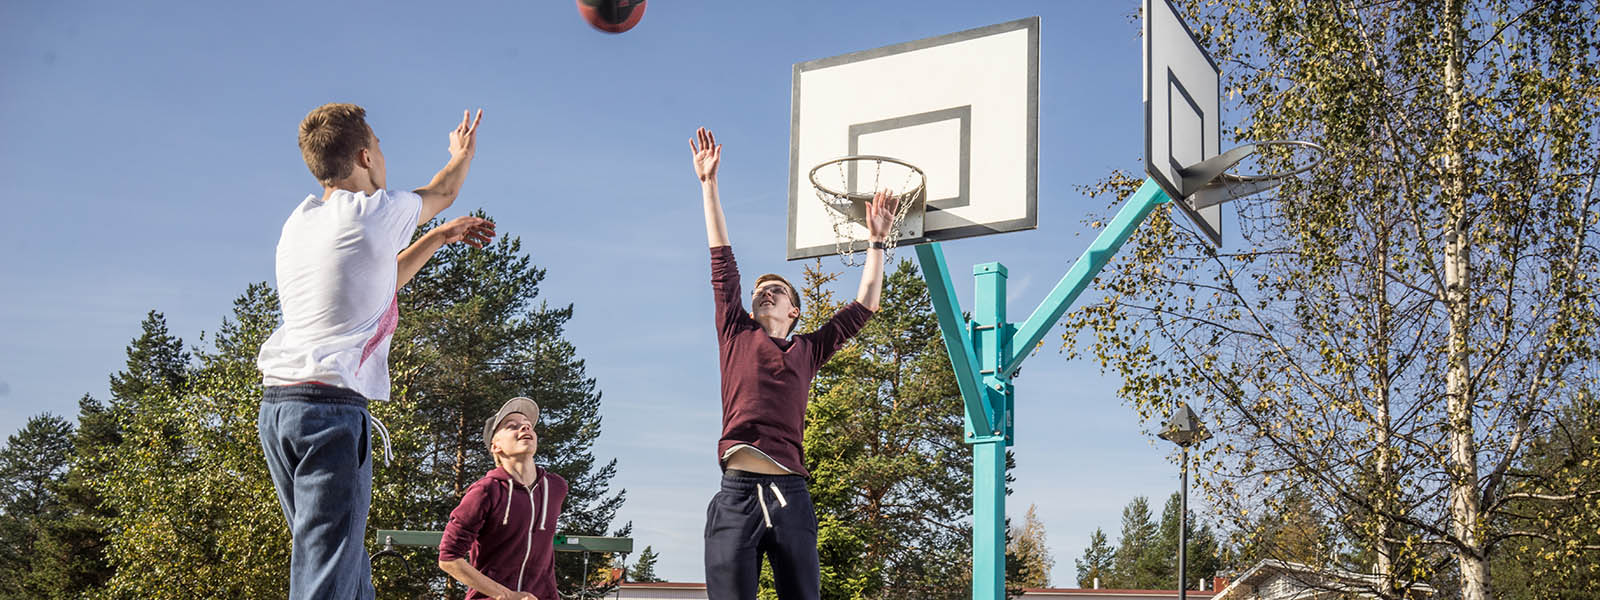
[500,540]
[763,508]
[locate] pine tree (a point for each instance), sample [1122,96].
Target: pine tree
[33,466]
[1095,566]
[474,334]
[891,477]
[644,570]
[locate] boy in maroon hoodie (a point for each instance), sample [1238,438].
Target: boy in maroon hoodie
[500,540]
[764,508]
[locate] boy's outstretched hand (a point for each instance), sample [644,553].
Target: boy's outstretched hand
[464,138]
[476,232]
[707,153]
[880,215]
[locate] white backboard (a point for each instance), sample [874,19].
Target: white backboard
[962,107]
[1182,109]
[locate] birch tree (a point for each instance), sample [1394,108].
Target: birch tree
[1386,333]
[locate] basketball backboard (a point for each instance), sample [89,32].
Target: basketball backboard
[1182,110]
[963,107]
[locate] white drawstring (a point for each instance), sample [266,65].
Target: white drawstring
[383,432]
[782,503]
[761,498]
[544,501]
[509,489]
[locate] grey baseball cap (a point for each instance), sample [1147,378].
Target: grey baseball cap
[519,404]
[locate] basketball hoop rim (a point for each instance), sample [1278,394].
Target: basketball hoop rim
[1321,153]
[922,178]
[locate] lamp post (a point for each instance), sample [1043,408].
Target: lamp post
[1184,429]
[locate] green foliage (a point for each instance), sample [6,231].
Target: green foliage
[1146,556]
[644,569]
[1551,554]
[1096,563]
[195,512]
[1138,562]
[890,476]
[70,558]
[33,466]
[1384,334]
[1201,553]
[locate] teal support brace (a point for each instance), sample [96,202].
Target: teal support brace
[986,351]
[1133,212]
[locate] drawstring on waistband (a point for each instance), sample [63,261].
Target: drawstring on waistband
[383,433]
[761,498]
[782,502]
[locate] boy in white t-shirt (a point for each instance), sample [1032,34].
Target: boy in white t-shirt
[340,260]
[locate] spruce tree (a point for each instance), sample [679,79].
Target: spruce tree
[33,466]
[644,570]
[1095,566]
[1138,563]
[1202,554]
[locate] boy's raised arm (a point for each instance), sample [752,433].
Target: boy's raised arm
[707,153]
[441,192]
[880,218]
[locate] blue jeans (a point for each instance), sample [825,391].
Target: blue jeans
[318,450]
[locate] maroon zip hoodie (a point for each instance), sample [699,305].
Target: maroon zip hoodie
[765,385]
[507,531]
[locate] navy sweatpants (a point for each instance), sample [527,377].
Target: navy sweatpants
[757,516]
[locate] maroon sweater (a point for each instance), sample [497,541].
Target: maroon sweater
[764,386]
[507,531]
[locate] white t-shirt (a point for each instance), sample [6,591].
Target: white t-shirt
[336,283]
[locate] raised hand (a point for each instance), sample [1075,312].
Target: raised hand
[707,153]
[464,138]
[880,215]
[474,231]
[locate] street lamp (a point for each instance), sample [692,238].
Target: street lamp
[1184,429]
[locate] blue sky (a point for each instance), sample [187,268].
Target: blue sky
[149,159]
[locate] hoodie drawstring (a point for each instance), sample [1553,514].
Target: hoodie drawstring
[544,501]
[507,517]
[383,433]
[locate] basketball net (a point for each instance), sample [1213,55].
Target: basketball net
[847,209]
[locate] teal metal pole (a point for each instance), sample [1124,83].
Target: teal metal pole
[992,342]
[1121,227]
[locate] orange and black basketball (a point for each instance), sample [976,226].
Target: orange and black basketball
[612,16]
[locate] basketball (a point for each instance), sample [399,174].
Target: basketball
[612,16]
